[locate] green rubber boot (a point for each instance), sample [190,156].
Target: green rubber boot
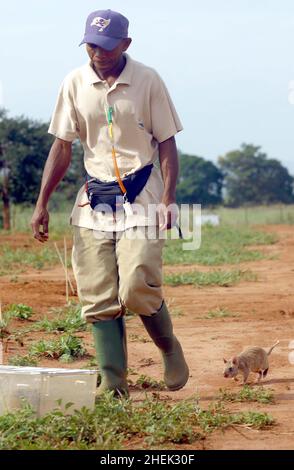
[111,353]
[160,329]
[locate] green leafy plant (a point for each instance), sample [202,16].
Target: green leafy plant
[20,311]
[248,394]
[217,417]
[144,382]
[66,348]
[14,261]
[67,319]
[220,313]
[139,338]
[4,332]
[224,244]
[149,423]
[91,364]
[173,310]
[213,278]
[26,360]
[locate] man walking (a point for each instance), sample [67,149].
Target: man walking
[122,113]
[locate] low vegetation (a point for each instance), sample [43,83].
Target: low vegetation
[224,244]
[15,261]
[217,417]
[248,394]
[143,382]
[66,319]
[138,338]
[20,311]
[66,348]
[219,245]
[22,361]
[4,325]
[220,313]
[212,278]
[151,422]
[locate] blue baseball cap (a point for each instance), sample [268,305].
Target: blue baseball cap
[105,28]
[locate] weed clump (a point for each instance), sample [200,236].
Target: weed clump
[66,348]
[151,422]
[248,394]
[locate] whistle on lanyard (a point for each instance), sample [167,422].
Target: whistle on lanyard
[126,205]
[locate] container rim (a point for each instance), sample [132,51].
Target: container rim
[45,370]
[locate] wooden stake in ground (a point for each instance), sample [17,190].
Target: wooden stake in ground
[4,173]
[66,271]
[4,187]
[62,263]
[1,340]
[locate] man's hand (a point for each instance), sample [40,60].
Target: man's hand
[56,165]
[167,213]
[40,218]
[169,164]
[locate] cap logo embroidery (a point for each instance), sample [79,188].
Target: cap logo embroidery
[102,23]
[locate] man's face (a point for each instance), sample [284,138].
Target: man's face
[104,60]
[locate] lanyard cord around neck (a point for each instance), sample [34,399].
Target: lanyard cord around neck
[116,169]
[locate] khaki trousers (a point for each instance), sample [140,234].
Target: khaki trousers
[115,271]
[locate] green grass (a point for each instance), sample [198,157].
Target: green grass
[22,361]
[248,394]
[220,245]
[147,424]
[58,226]
[273,214]
[173,310]
[176,312]
[220,313]
[66,319]
[20,311]
[59,220]
[5,325]
[145,382]
[91,364]
[17,260]
[225,244]
[213,278]
[217,417]
[66,348]
[6,333]
[139,338]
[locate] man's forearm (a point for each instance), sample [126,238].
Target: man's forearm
[57,163]
[169,164]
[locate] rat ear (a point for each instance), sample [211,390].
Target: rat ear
[225,361]
[235,361]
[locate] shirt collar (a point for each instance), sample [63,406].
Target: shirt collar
[125,77]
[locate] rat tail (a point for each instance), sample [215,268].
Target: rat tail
[270,350]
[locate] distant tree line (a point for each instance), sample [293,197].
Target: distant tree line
[25,145]
[241,177]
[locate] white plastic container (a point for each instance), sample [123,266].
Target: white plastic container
[211,219]
[46,389]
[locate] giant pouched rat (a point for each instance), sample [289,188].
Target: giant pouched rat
[250,360]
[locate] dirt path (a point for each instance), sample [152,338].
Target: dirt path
[265,312]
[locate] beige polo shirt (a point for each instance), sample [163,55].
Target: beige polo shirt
[143,116]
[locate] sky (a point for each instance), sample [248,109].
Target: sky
[228,64]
